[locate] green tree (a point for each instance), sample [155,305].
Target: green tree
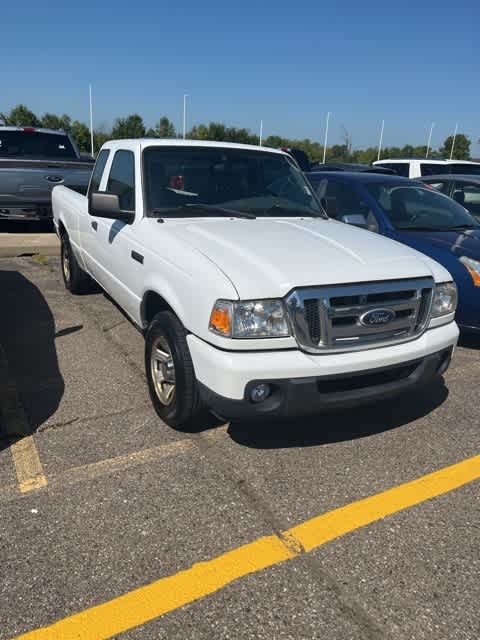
[338,153]
[130,127]
[200,132]
[163,129]
[461,149]
[81,135]
[52,121]
[20,116]
[100,136]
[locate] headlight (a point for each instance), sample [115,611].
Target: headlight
[444,299]
[473,268]
[252,319]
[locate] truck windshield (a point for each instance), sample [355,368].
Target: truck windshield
[413,208]
[242,180]
[32,143]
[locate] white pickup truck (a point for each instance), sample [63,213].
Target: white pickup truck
[252,301]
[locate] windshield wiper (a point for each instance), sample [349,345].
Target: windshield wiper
[420,229]
[297,213]
[462,226]
[182,211]
[217,208]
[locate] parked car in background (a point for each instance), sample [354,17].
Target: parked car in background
[417,167]
[350,166]
[32,162]
[252,302]
[300,156]
[464,189]
[407,211]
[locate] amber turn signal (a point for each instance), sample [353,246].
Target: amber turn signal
[221,318]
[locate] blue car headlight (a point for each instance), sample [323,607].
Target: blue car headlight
[473,268]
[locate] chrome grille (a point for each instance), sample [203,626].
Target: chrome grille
[329,318]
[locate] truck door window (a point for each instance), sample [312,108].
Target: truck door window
[122,179]
[98,170]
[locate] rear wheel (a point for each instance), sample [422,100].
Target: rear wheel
[171,379]
[74,277]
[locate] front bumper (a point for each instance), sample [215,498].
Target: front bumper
[302,383]
[301,396]
[26,213]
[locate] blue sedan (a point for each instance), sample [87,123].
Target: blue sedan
[411,213]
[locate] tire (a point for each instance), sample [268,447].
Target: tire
[74,277]
[176,399]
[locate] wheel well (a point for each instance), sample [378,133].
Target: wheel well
[61,229]
[151,305]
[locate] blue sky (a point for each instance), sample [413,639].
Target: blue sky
[289,63]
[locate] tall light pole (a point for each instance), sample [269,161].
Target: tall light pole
[381,140]
[261,132]
[326,137]
[453,141]
[429,139]
[91,119]
[185,96]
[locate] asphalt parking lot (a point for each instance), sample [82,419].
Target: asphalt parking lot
[233,532]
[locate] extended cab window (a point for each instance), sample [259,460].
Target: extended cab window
[98,170]
[122,179]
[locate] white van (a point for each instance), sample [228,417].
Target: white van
[415,168]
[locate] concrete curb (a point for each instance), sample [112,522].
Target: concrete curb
[17,244]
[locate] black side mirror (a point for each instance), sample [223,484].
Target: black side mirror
[330,206]
[459,196]
[356,219]
[107,205]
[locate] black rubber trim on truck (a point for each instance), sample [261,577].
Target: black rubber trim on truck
[137,256]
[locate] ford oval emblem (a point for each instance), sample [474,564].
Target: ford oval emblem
[376,317]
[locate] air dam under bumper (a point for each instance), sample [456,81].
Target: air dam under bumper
[304,384]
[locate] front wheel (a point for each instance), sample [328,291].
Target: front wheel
[171,379]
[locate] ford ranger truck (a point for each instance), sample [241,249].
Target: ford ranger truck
[32,162]
[251,300]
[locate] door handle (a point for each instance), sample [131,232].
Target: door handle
[137,256]
[94,224]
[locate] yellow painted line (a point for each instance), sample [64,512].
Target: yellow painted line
[109,466]
[324,528]
[29,469]
[167,594]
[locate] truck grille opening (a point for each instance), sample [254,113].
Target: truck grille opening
[362,381]
[349,317]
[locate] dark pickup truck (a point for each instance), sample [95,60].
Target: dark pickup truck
[32,162]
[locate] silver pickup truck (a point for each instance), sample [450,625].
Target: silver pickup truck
[32,162]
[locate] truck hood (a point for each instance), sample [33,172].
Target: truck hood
[268,258]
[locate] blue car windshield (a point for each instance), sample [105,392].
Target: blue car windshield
[415,208]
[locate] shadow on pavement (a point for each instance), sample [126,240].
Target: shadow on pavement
[338,426]
[27,334]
